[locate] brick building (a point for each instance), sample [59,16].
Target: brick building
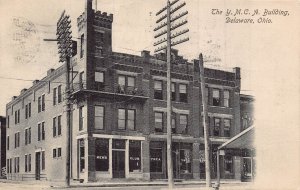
[119,115]
[2,145]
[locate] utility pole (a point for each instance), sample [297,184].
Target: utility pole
[206,132]
[167,47]
[64,41]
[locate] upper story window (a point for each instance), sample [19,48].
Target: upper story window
[57,126]
[17,139]
[39,104]
[54,96]
[217,122]
[216,97]
[43,102]
[59,94]
[158,93]
[99,117]
[226,98]
[126,84]
[173,123]
[99,80]
[7,143]
[126,119]
[7,121]
[227,127]
[81,118]
[183,92]
[17,116]
[158,121]
[81,45]
[183,121]
[173,90]
[27,136]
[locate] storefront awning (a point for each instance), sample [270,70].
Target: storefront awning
[243,140]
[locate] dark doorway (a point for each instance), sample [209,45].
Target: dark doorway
[37,166]
[118,164]
[176,164]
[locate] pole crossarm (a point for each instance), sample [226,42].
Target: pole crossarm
[172,36]
[165,8]
[177,8]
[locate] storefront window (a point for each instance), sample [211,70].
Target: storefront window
[156,160]
[102,154]
[185,161]
[81,155]
[134,156]
[228,164]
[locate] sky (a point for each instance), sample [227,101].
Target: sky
[268,55]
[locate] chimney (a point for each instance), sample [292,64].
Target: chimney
[145,53]
[50,71]
[23,90]
[35,82]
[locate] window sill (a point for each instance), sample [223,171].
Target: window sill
[223,107]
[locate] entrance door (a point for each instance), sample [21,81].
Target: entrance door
[118,164]
[247,168]
[37,166]
[176,166]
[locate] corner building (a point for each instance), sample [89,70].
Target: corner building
[119,115]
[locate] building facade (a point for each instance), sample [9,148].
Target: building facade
[2,146]
[119,115]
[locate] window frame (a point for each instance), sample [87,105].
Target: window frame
[158,93]
[226,100]
[183,96]
[217,127]
[99,116]
[161,123]
[216,100]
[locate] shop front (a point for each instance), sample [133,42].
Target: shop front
[182,158]
[107,156]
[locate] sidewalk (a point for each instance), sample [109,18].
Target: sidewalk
[126,183]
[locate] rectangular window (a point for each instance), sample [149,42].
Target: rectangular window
[121,83]
[81,45]
[158,93]
[59,125]
[183,124]
[227,127]
[130,81]
[131,119]
[185,161]
[29,162]
[43,160]
[121,119]
[183,92]
[15,140]
[26,163]
[99,76]
[59,152]
[102,155]
[29,110]
[156,160]
[39,104]
[26,136]
[99,117]
[216,97]
[59,95]
[7,143]
[26,111]
[8,121]
[228,162]
[81,154]
[54,126]
[43,102]
[134,156]
[16,117]
[158,121]
[216,127]
[43,131]
[54,153]
[81,118]
[99,80]
[54,96]
[173,90]
[39,132]
[173,123]
[226,98]
[29,135]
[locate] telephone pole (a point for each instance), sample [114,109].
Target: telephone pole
[206,132]
[65,43]
[169,21]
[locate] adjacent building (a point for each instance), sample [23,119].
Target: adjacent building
[2,146]
[119,115]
